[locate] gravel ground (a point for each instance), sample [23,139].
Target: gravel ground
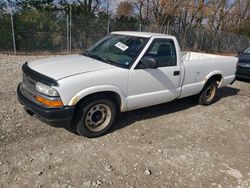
[178,144]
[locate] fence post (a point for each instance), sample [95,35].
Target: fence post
[108,26]
[165,29]
[67,34]
[228,42]
[140,27]
[202,38]
[13,32]
[238,45]
[167,32]
[70,24]
[184,39]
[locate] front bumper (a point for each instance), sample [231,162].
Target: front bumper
[51,114]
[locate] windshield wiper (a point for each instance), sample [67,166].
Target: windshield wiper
[110,61]
[95,56]
[105,60]
[86,53]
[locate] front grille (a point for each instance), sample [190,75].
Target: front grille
[38,76]
[29,94]
[28,87]
[28,83]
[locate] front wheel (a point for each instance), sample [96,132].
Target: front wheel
[208,95]
[95,117]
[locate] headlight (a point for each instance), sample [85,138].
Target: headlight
[47,90]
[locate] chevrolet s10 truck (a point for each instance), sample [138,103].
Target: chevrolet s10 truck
[121,72]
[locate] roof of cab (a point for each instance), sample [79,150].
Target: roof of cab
[139,34]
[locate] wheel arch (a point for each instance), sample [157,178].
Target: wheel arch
[216,75]
[109,91]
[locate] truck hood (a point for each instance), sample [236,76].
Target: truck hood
[68,65]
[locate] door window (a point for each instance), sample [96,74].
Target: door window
[163,51]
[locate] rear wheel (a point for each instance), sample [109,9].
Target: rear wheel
[208,94]
[95,116]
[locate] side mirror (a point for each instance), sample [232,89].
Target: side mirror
[149,63]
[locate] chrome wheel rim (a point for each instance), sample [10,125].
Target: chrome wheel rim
[98,117]
[210,93]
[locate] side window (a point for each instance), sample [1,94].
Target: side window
[163,51]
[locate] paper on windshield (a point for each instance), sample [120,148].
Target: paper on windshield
[121,46]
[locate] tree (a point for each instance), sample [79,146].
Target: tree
[240,16]
[125,9]
[41,5]
[125,23]
[139,6]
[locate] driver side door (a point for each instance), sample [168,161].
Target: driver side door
[150,86]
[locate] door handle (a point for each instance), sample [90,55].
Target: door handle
[176,73]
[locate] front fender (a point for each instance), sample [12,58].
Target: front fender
[97,89]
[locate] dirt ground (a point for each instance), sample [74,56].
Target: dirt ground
[178,144]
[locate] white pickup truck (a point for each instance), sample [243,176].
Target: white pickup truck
[121,72]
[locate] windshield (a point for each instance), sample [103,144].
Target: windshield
[120,50]
[247,51]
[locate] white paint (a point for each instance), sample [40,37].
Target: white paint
[187,56]
[79,76]
[140,34]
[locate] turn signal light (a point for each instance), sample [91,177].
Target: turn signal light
[49,103]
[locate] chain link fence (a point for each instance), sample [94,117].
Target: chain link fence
[60,33]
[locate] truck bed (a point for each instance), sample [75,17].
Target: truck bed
[188,56]
[199,66]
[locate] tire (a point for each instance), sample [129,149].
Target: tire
[208,94]
[95,116]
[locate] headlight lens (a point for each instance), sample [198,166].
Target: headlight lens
[47,90]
